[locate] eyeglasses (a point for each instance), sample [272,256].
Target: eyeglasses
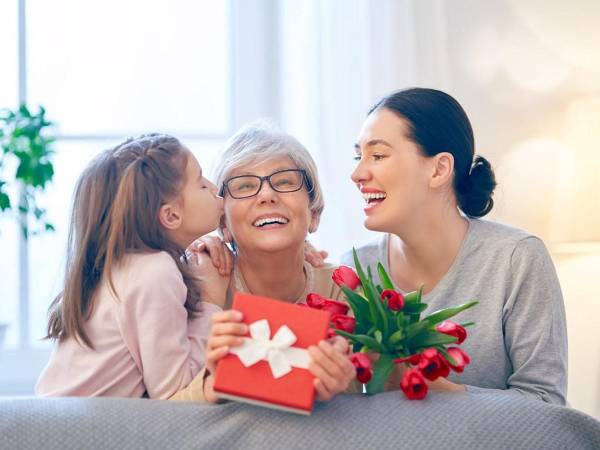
[244,186]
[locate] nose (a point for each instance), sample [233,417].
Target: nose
[360,173]
[267,194]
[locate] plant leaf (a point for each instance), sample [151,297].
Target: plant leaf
[443,314]
[383,276]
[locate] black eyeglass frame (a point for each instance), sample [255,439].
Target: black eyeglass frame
[267,178]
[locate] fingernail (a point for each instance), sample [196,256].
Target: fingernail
[237,315]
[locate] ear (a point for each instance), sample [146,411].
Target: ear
[443,170]
[170,216]
[314,222]
[224,230]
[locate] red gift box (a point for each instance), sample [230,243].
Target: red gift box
[257,384]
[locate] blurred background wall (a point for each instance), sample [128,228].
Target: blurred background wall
[527,73]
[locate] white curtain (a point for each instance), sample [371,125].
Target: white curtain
[337,57]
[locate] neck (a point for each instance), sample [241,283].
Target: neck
[425,250]
[277,275]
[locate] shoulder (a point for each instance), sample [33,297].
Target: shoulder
[148,273]
[519,245]
[323,283]
[151,265]
[374,250]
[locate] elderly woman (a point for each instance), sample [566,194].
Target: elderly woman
[272,200]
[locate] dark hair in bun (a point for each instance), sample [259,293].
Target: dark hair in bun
[439,124]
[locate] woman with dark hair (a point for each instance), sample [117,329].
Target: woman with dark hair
[427,191]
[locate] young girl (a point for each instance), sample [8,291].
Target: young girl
[129,322]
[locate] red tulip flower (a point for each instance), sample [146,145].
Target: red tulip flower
[362,364]
[319,302]
[461,358]
[414,385]
[345,276]
[433,365]
[412,359]
[344,323]
[452,329]
[395,300]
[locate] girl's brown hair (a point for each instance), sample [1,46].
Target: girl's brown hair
[115,211]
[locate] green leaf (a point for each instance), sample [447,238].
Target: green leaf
[378,336]
[396,337]
[49,227]
[363,339]
[377,309]
[383,276]
[449,358]
[381,372]
[443,314]
[4,201]
[412,297]
[414,308]
[359,305]
[416,328]
[359,270]
[429,339]
[467,324]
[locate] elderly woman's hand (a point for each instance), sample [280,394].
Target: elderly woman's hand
[332,367]
[227,331]
[314,257]
[215,247]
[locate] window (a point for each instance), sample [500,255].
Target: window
[104,71]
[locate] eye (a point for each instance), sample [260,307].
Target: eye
[378,156]
[357,157]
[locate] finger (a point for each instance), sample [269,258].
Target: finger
[214,249]
[213,356]
[229,340]
[231,315]
[323,394]
[325,370]
[340,344]
[229,328]
[335,358]
[323,254]
[228,259]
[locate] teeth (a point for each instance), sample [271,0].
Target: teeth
[261,222]
[368,196]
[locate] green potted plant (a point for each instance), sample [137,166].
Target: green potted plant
[25,166]
[25,171]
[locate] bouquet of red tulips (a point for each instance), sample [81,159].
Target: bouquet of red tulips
[389,323]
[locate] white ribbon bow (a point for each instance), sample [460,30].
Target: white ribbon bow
[277,351]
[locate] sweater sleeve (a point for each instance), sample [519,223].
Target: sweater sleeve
[535,325]
[167,346]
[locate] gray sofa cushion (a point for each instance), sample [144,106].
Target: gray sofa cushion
[487,420]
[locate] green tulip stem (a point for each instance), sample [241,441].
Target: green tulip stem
[381,372]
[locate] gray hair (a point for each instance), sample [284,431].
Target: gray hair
[262,140]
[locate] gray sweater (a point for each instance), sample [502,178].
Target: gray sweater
[519,340]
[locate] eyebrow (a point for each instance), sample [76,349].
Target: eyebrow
[374,142]
[278,169]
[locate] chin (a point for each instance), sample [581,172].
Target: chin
[372,224]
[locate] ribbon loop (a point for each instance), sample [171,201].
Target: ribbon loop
[278,351]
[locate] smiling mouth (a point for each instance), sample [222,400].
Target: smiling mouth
[374,198]
[260,223]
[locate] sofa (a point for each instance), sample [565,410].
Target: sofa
[473,420]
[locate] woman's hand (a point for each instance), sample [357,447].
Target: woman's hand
[332,367]
[215,247]
[227,331]
[314,257]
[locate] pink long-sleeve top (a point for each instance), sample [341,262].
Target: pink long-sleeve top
[143,340]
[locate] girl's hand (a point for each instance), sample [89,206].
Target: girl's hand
[332,367]
[213,286]
[314,257]
[215,247]
[226,332]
